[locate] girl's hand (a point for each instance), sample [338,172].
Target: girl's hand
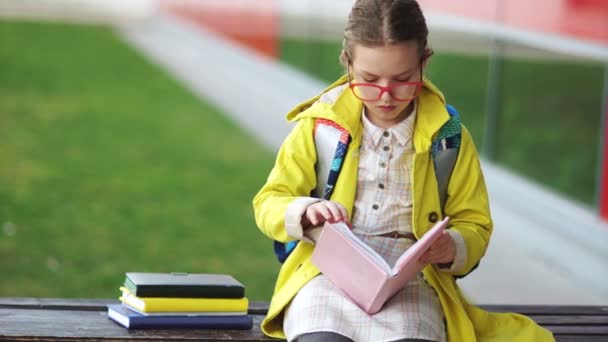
[442,251]
[320,212]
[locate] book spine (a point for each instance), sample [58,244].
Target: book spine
[186,304]
[377,297]
[233,322]
[189,292]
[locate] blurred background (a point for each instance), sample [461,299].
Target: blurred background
[134,135]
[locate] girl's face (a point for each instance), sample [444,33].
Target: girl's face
[384,66]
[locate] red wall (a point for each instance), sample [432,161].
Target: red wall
[253,23]
[582,19]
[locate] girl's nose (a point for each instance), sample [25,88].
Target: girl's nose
[386,96]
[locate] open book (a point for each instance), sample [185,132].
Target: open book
[360,272]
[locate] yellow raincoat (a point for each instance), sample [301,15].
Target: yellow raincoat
[293,177]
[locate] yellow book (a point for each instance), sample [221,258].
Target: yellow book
[189,305]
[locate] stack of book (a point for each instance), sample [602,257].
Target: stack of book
[181,300]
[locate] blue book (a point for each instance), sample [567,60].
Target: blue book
[134,320]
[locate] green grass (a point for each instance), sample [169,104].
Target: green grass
[550,124]
[320,58]
[549,119]
[108,166]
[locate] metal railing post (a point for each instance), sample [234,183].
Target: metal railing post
[493,100]
[602,174]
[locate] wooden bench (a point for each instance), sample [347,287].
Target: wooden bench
[47,319]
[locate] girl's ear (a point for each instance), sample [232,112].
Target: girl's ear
[425,62]
[428,52]
[344,60]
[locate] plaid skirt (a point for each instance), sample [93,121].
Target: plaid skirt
[414,312]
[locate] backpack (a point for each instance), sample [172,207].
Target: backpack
[444,150]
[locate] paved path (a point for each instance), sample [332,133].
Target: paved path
[545,249]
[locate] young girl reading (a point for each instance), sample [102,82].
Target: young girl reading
[387,190]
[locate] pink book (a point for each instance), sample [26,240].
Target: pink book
[360,272]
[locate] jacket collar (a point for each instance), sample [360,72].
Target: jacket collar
[339,104]
[432,114]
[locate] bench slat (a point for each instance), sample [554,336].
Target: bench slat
[581,320]
[258,307]
[57,303]
[578,338]
[578,330]
[548,309]
[66,324]
[255,307]
[26,319]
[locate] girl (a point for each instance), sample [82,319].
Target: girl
[387,190]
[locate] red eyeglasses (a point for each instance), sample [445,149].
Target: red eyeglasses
[400,91]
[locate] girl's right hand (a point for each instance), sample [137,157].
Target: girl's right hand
[320,212]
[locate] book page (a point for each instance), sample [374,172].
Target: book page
[374,256]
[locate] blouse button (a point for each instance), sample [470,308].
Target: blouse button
[433,217]
[386,148]
[375,207]
[381,186]
[386,134]
[382,164]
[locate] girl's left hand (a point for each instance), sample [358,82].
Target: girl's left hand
[442,251]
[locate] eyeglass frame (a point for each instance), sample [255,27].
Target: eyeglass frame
[383,89]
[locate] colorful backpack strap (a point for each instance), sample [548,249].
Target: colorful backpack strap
[331,143]
[282,250]
[444,149]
